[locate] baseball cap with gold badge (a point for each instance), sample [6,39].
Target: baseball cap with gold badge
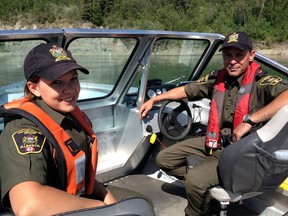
[50,62]
[240,40]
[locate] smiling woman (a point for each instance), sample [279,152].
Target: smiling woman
[49,132]
[57,81]
[60,94]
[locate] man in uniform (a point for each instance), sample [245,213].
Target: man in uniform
[243,97]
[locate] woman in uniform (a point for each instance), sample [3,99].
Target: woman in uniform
[48,150]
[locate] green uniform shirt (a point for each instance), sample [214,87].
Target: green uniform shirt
[18,165]
[264,90]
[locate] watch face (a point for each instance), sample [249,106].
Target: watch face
[245,118]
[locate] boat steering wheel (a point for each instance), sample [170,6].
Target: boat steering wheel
[168,120]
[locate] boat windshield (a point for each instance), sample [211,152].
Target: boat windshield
[105,58]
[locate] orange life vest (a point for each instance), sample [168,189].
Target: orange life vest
[217,103]
[71,161]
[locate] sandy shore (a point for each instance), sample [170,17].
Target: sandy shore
[274,49]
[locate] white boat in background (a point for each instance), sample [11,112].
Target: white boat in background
[126,68]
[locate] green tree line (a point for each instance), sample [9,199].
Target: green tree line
[264,20]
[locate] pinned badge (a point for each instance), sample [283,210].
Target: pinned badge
[242,90]
[58,53]
[233,38]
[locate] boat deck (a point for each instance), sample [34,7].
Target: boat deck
[169,197]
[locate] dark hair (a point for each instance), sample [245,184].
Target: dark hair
[27,93]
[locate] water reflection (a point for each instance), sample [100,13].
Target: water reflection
[282,59]
[11,70]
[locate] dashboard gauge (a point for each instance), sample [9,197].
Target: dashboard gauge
[151,93]
[158,91]
[164,90]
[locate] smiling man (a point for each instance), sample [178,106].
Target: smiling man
[243,97]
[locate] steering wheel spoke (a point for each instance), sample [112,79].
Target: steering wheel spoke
[166,123]
[169,123]
[179,127]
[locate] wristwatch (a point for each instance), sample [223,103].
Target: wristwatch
[246,119]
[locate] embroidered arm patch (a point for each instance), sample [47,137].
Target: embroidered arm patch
[270,80]
[28,141]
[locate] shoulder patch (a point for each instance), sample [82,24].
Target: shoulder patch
[28,141]
[270,80]
[202,80]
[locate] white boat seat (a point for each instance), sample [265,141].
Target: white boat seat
[222,195]
[225,197]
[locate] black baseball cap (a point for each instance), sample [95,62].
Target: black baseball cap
[49,61]
[240,40]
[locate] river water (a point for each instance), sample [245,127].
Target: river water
[282,59]
[15,68]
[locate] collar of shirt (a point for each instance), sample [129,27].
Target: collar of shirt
[56,116]
[66,122]
[232,81]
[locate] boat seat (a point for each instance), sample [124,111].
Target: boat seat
[256,163]
[128,207]
[225,197]
[131,206]
[222,195]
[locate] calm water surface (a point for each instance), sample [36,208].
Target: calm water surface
[15,68]
[281,59]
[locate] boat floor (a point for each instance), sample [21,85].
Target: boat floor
[168,198]
[167,194]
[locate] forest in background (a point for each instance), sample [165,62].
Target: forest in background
[264,20]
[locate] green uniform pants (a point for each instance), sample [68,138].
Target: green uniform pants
[199,179]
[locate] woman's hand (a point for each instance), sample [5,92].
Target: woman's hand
[103,194]
[109,199]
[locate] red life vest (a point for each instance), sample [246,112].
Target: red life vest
[217,103]
[69,158]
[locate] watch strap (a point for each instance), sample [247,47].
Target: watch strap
[247,119]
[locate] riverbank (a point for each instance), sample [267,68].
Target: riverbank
[279,49]
[273,49]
